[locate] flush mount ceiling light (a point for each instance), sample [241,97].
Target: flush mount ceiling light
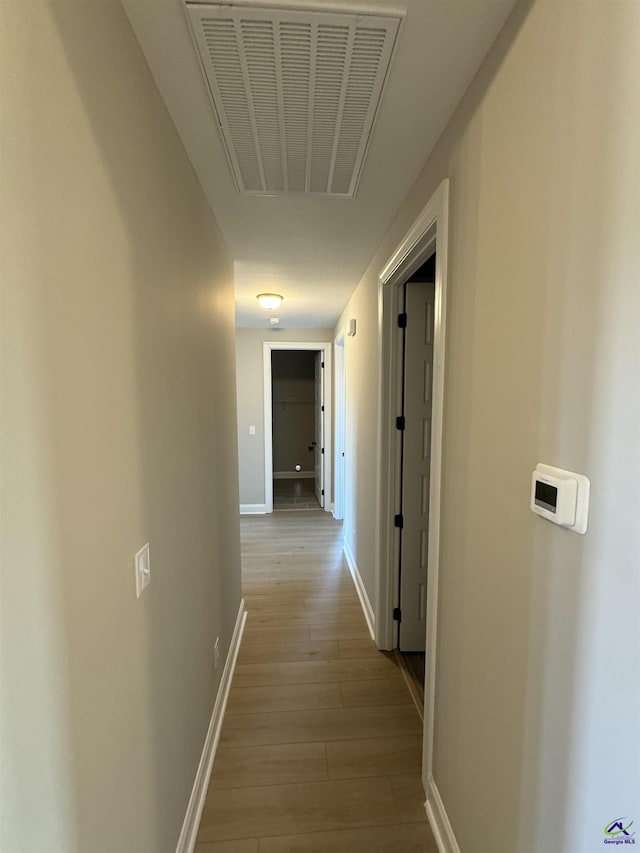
[295,91]
[269,300]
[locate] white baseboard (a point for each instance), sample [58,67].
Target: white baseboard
[367,609]
[189,833]
[253,509]
[294,475]
[439,820]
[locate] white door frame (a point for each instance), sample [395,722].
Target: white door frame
[339,427]
[428,234]
[314,346]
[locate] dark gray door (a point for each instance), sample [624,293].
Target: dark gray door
[416,463]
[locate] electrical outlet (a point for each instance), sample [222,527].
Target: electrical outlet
[142,564]
[216,653]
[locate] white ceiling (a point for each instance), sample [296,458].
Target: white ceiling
[314,249]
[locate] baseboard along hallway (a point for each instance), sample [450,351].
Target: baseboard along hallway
[321,745]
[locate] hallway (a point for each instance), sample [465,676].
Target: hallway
[321,745]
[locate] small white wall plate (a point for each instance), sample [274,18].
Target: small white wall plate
[142,562]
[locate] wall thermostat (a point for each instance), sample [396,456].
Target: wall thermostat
[561,497]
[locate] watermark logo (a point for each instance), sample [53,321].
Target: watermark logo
[617,831]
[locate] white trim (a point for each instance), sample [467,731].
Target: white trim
[367,609]
[439,820]
[314,346]
[293,475]
[428,233]
[189,832]
[253,509]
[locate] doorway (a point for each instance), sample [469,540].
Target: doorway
[428,236]
[297,429]
[297,407]
[415,402]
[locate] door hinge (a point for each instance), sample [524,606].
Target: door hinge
[322,408]
[322,451]
[398,520]
[400,422]
[322,492]
[402,320]
[397,614]
[322,364]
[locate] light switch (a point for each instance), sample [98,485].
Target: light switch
[142,563]
[252,430]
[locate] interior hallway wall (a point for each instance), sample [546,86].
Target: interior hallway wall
[537,702]
[360,441]
[250,370]
[118,428]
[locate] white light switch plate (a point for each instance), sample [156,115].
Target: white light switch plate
[143,570]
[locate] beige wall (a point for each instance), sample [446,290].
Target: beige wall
[361,406]
[118,427]
[537,703]
[250,370]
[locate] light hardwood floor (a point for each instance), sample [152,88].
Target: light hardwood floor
[321,744]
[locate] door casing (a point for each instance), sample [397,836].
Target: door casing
[267,348]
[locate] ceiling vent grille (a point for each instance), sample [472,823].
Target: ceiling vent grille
[295,92]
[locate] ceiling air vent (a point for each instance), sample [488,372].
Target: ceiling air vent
[295,92]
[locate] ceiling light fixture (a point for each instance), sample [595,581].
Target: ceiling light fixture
[269,300]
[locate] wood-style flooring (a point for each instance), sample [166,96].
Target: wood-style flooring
[321,745]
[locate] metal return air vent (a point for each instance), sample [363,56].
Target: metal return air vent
[295,92]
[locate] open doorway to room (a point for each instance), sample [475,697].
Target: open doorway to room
[415,404]
[410,469]
[297,414]
[297,439]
